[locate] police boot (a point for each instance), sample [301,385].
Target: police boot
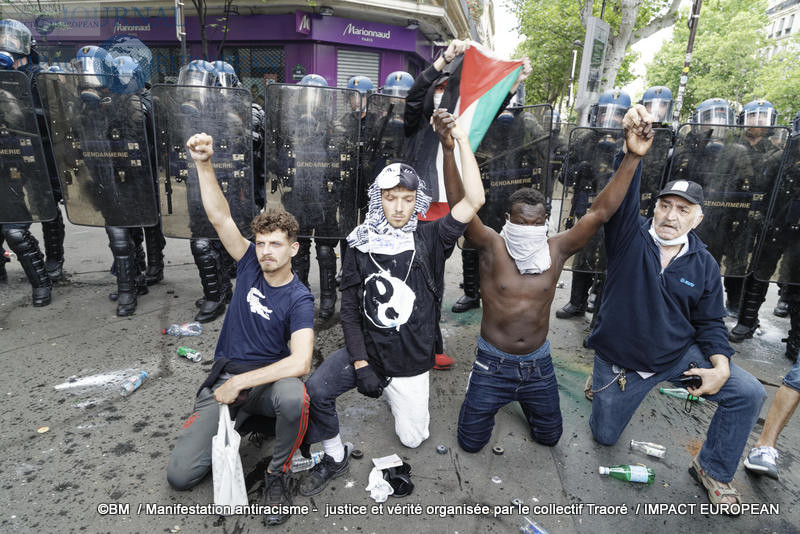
[211,278]
[793,340]
[472,296]
[733,288]
[301,263]
[327,281]
[53,233]
[124,251]
[782,307]
[753,296]
[25,246]
[154,243]
[579,294]
[3,259]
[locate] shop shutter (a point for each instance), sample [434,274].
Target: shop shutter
[350,63]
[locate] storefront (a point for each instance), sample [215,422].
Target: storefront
[262,48]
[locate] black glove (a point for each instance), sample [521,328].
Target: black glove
[369,383]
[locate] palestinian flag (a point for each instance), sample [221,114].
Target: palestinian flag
[483,83]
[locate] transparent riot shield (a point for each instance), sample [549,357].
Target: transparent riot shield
[312,156]
[100,146]
[730,162]
[513,154]
[382,140]
[778,254]
[588,166]
[25,191]
[654,169]
[224,114]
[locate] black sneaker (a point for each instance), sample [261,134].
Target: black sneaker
[277,494]
[319,475]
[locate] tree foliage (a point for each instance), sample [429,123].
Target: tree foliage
[727,59]
[551,27]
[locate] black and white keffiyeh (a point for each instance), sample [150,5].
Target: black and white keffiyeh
[375,234]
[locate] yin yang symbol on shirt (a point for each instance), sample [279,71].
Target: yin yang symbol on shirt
[388,301]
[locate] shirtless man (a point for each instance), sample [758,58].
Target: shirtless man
[519,269]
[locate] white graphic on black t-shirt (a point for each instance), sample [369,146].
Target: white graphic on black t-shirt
[388,301]
[253,299]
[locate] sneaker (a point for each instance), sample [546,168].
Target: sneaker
[763,460]
[443,362]
[277,494]
[319,475]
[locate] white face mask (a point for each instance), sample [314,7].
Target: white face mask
[437,100]
[528,246]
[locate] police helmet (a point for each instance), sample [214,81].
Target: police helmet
[611,108]
[658,102]
[130,77]
[313,79]
[226,76]
[15,42]
[758,113]
[197,72]
[713,111]
[398,83]
[362,84]
[97,67]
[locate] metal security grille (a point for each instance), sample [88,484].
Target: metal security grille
[350,63]
[256,67]
[166,63]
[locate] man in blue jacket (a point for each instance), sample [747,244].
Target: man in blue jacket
[662,310]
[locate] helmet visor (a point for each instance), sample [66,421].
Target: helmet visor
[14,40]
[660,109]
[610,116]
[759,117]
[196,77]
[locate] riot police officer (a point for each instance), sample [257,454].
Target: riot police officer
[589,173]
[397,83]
[99,77]
[657,101]
[758,116]
[17,53]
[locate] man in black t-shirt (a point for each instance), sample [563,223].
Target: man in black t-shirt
[390,301]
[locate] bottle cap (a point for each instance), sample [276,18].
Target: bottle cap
[603,470]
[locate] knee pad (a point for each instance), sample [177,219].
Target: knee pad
[119,240]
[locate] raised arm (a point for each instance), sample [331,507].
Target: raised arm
[201,148]
[473,198]
[443,124]
[638,138]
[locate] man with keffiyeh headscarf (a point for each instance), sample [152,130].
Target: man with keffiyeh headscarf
[391,293]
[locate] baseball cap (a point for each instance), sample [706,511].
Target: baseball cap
[398,174]
[691,191]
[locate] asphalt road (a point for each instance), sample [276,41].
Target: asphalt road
[101,464]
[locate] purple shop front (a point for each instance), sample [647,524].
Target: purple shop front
[310,42]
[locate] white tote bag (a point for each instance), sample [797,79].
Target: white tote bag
[226,465]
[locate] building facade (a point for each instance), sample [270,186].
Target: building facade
[267,41]
[783,26]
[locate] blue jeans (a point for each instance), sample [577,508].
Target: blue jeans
[792,378]
[498,378]
[738,405]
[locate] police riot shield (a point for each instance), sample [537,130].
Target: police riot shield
[382,140]
[224,114]
[514,153]
[730,162]
[312,156]
[778,253]
[101,152]
[587,168]
[25,191]
[654,170]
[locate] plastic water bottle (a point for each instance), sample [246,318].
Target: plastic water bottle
[652,449]
[529,526]
[191,354]
[132,383]
[301,463]
[680,393]
[630,473]
[185,329]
